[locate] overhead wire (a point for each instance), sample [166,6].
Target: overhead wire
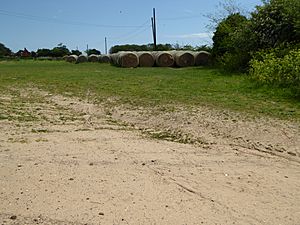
[136,34]
[132,33]
[180,18]
[58,21]
[138,29]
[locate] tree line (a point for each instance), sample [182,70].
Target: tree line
[159,47]
[59,51]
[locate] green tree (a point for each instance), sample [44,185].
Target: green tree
[93,51]
[18,53]
[203,48]
[44,52]
[148,47]
[276,22]
[222,39]
[187,48]
[60,51]
[163,47]
[76,52]
[4,51]
[33,54]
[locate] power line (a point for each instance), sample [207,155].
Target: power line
[58,21]
[137,34]
[181,18]
[132,33]
[129,35]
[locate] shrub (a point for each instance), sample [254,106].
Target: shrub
[4,51]
[235,62]
[276,22]
[222,36]
[271,69]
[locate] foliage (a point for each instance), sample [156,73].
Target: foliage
[187,48]
[269,68]
[59,51]
[149,47]
[118,48]
[236,61]
[93,51]
[223,35]
[159,47]
[33,54]
[228,49]
[276,22]
[4,51]
[76,52]
[164,47]
[203,48]
[44,52]
[18,53]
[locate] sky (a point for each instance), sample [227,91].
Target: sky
[75,23]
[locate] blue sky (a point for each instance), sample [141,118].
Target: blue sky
[44,24]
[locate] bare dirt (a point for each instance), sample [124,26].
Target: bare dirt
[80,163]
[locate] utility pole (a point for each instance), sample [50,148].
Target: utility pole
[87,49]
[105,42]
[153,21]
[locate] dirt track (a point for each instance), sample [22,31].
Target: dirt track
[85,164]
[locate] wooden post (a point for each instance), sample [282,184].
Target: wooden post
[105,41]
[153,21]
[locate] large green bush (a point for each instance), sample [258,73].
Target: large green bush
[227,50]
[274,24]
[271,69]
[235,61]
[223,35]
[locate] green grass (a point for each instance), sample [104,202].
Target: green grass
[151,86]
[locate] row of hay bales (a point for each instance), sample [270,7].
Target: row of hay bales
[90,58]
[160,59]
[147,59]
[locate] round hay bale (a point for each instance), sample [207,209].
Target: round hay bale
[104,58]
[114,59]
[146,59]
[93,58]
[72,58]
[127,59]
[164,59]
[202,58]
[184,58]
[82,59]
[65,57]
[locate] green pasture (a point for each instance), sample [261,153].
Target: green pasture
[150,87]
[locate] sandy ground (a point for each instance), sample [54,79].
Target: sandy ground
[80,163]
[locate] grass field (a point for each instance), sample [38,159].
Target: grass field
[150,86]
